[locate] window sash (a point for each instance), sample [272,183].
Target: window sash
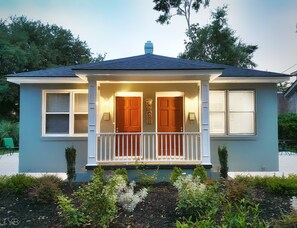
[238,119]
[55,121]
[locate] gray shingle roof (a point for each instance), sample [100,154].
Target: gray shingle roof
[149,62]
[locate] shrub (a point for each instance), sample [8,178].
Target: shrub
[3,183]
[70,154]
[98,173]
[20,183]
[200,172]
[47,189]
[235,190]
[97,199]
[45,192]
[70,215]
[287,126]
[287,220]
[195,199]
[276,185]
[243,214]
[176,172]
[123,172]
[223,157]
[128,200]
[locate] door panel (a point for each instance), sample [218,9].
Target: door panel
[128,119]
[170,119]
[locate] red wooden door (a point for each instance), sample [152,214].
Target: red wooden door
[170,119]
[128,119]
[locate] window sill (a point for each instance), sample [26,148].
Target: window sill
[64,137]
[233,137]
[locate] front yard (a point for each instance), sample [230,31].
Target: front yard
[193,201]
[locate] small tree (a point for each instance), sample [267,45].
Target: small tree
[70,154]
[223,157]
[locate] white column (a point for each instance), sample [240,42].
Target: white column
[204,122]
[92,122]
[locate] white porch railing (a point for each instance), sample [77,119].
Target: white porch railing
[149,147]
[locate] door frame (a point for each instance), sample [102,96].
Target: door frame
[167,94]
[128,94]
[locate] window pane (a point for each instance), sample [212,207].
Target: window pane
[81,123]
[217,101]
[57,102]
[241,123]
[57,123]
[241,101]
[81,102]
[217,123]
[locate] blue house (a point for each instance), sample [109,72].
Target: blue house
[149,109]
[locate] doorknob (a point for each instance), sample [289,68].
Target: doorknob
[181,129]
[117,129]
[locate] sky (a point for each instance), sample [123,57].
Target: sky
[120,28]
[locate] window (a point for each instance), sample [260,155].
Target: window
[65,112]
[232,112]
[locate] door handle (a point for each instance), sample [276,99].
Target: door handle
[181,129]
[117,129]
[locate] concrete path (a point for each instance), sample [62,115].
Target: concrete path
[287,164]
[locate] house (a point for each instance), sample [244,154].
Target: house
[149,109]
[287,100]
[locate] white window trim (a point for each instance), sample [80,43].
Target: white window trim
[227,112]
[71,112]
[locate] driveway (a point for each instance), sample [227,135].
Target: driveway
[287,164]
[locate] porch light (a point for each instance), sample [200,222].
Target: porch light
[106,114]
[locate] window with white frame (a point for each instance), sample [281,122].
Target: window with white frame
[232,112]
[65,112]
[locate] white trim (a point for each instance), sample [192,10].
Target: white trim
[46,80]
[148,75]
[71,112]
[168,94]
[129,94]
[250,79]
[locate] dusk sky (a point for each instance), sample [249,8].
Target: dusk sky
[121,27]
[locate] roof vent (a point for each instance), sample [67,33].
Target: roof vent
[148,47]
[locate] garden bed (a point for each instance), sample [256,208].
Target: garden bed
[157,210]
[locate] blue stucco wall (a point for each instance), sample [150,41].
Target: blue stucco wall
[246,153]
[44,154]
[254,153]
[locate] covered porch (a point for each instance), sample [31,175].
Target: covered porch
[148,117]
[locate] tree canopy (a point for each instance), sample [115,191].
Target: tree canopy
[217,43]
[27,45]
[182,7]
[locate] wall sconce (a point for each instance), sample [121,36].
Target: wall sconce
[192,116]
[149,110]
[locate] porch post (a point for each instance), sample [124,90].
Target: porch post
[204,122]
[92,122]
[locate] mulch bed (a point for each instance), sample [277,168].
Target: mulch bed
[158,210]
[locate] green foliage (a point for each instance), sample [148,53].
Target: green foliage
[176,172]
[200,172]
[144,177]
[70,215]
[201,223]
[223,157]
[98,173]
[195,199]
[243,214]
[217,43]
[97,200]
[287,220]
[123,172]
[28,45]
[3,183]
[70,154]
[287,126]
[9,129]
[183,8]
[20,183]
[276,185]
